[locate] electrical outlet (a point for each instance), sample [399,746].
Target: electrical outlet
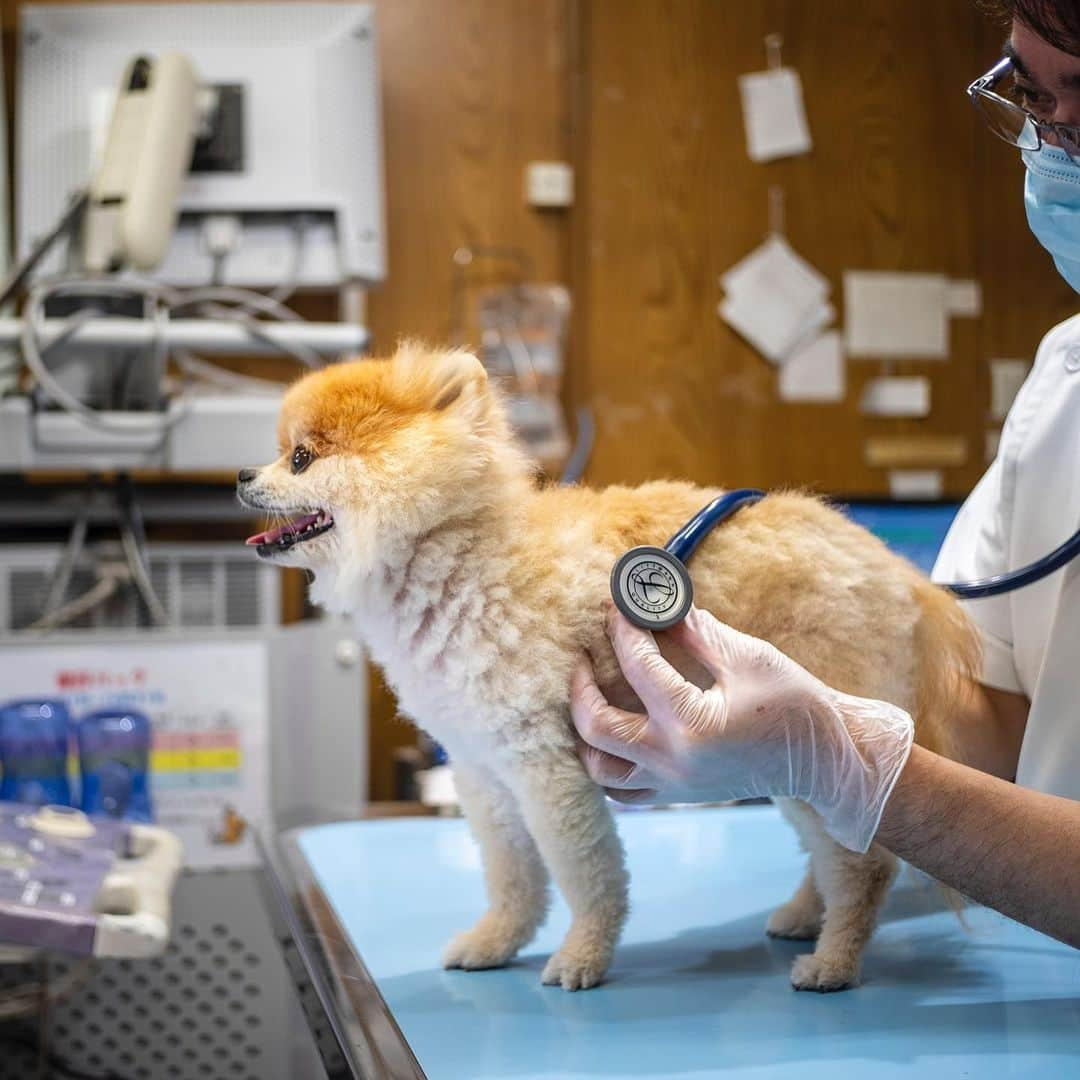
[549,184]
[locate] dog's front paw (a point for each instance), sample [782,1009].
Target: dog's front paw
[479,948]
[813,972]
[795,922]
[576,967]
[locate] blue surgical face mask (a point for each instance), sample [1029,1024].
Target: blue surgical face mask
[1052,201]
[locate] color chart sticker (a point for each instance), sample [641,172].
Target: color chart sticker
[209,705]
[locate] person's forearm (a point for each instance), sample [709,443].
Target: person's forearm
[986,729]
[1012,849]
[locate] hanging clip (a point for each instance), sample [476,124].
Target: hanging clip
[772,51]
[776,210]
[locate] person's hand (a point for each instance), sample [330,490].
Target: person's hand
[767,727]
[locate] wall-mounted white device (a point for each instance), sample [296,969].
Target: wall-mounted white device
[295,138]
[134,194]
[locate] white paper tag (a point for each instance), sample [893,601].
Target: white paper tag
[963,299]
[775,299]
[1006,378]
[815,372]
[774,114]
[775,263]
[896,396]
[916,483]
[896,315]
[774,330]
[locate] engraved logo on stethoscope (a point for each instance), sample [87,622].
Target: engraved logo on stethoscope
[653,587]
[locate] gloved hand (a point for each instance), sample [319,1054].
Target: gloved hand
[766,727]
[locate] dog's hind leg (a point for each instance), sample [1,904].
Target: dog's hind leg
[517,881]
[575,833]
[853,888]
[800,918]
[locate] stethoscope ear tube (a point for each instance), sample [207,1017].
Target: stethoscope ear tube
[651,586]
[683,544]
[1017,579]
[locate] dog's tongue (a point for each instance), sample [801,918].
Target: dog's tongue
[273,535]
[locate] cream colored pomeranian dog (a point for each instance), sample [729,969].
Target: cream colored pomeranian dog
[477,593]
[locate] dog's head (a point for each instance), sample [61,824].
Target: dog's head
[377,451]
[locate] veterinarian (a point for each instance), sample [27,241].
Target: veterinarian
[770,728]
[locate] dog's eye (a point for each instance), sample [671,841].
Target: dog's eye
[302,457]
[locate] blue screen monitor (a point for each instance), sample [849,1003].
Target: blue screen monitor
[914,530]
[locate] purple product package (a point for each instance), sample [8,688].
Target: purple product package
[49,885]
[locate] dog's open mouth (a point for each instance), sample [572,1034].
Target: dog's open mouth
[275,541]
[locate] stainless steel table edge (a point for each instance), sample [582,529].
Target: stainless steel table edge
[368,1037]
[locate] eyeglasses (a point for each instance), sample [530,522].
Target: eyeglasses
[1002,105]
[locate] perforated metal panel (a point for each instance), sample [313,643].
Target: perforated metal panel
[27,592]
[219,1004]
[200,585]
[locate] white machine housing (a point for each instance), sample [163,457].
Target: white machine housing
[307,82]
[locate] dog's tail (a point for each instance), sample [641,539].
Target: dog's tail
[947,652]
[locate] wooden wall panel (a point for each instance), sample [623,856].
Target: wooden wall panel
[897,180]
[472,90]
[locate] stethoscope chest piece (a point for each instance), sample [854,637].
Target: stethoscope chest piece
[652,588]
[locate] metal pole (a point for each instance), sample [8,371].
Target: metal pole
[214,336]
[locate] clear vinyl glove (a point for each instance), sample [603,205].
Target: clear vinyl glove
[767,727]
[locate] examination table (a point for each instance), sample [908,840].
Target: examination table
[696,988]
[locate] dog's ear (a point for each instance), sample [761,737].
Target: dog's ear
[453,381]
[457,375]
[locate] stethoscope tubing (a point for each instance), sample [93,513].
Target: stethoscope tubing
[683,544]
[1009,582]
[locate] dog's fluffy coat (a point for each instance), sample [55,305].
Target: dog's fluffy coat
[477,593]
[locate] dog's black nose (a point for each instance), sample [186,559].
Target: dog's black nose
[245,476]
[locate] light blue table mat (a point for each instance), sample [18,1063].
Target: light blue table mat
[696,990]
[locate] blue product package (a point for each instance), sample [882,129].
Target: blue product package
[114,758]
[34,752]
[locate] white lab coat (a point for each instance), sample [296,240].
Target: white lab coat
[1026,505]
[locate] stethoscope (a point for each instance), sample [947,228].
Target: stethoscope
[652,588]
